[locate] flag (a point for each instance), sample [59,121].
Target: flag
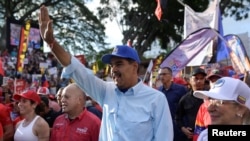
[149,69]
[158,10]
[188,49]
[161,6]
[197,20]
[237,53]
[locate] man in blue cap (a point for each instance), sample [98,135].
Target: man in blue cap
[132,111]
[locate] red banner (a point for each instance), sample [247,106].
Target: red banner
[19,86]
[23,46]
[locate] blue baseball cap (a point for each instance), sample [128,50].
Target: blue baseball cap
[122,51]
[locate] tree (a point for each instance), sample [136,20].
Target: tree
[138,22]
[76,27]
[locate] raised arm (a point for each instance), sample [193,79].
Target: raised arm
[46,31]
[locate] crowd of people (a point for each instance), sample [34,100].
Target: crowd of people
[124,109]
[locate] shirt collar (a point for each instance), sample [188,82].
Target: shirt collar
[79,117]
[133,90]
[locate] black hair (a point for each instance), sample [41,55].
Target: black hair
[45,100]
[132,61]
[168,68]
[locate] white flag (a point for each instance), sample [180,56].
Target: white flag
[196,20]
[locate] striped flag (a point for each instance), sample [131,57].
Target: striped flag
[188,49]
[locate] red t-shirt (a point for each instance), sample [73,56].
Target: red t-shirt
[5,118]
[85,127]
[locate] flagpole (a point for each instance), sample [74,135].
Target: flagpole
[183,4]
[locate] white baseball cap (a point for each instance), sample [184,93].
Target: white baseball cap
[227,88]
[43,91]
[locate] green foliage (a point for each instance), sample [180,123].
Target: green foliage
[81,32]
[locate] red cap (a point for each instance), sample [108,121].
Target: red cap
[180,81]
[28,94]
[215,72]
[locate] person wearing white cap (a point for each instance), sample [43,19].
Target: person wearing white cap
[228,103]
[132,111]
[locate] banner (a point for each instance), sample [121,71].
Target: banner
[188,49]
[196,20]
[23,46]
[237,54]
[154,71]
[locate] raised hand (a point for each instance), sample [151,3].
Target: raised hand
[45,25]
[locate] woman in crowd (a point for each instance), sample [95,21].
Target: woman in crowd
[32,127]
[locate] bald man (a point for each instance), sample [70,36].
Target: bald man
[76,123]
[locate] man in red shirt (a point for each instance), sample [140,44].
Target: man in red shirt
[76,123]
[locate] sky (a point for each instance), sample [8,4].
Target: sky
[231,26]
